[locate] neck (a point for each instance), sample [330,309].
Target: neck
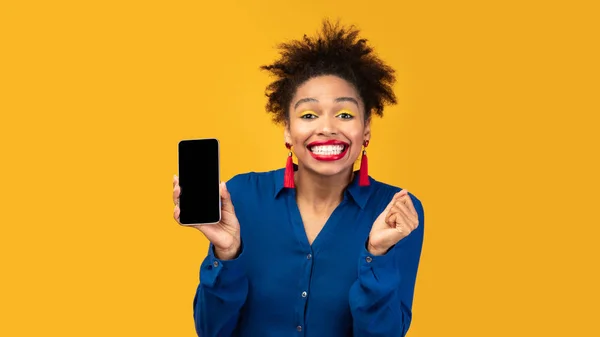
[322,192]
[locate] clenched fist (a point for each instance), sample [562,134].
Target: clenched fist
[397,221]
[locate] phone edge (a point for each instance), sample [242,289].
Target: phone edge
[218,176]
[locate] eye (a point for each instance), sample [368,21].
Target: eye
[345,115]
[308,115]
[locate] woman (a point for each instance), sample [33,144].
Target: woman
[314,249]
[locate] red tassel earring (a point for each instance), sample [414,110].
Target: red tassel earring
[363,178]
[288,180]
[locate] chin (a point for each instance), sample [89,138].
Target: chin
[330,169]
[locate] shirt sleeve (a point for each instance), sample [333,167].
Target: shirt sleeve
[223,286]
[382,296]
[220,295]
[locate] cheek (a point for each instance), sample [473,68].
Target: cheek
[357,141]
[299,134]
[355,134]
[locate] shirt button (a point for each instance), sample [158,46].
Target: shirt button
[309,256]
[369,259]
[216,264]
[304,294]
[299,328]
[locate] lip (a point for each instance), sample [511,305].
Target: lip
[327,142]
[329,157]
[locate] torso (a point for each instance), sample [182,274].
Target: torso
[292,247]
[313,221]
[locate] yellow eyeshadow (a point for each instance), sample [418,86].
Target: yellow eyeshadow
[307,113]
[345,111]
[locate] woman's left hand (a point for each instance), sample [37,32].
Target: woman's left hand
[397,221]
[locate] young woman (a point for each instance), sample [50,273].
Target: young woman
[315,249]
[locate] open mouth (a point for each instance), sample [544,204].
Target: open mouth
[329,150]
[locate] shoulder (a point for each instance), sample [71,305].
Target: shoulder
[384,192]
[253,184]
[251,177]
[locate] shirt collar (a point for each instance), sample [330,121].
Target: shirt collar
[360,194]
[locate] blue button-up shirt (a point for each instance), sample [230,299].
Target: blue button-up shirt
[280,285]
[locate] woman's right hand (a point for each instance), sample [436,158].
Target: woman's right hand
[224,235]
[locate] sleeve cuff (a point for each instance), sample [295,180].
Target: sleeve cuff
[215,271]
[379,272]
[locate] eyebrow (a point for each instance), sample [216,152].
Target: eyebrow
[339,99]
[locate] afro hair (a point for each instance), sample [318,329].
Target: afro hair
[335,51]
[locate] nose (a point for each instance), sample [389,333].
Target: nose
[327,126]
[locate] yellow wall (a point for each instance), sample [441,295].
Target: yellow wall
[495,131]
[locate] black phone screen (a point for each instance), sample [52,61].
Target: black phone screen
[199,201]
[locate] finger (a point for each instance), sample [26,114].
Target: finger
[391,217]
[226,203]
[402,223]
[175,180]
[391,204]
[176,193]
[402,192]
[408,221]
[399,215]
[400,204]
[407,200]
[411,215]
[392,211]
[397,224]
[176,213]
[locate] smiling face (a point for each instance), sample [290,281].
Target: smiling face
[326,125]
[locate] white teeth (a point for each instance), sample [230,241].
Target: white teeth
[327,150]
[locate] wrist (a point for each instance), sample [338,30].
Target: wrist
[227,254]
[376,251]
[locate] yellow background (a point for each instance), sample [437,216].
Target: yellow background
[495,131]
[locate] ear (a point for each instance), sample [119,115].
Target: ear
[367,132]
[287,137]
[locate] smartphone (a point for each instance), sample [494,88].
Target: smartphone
[199,179]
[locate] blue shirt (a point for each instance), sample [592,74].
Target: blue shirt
[282,286]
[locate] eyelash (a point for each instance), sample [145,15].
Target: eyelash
[349,115]
[311,115]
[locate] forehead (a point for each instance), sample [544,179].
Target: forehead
[325,89]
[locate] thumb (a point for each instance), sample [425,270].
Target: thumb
[226,203]
[392,236]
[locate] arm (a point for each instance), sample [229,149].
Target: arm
[220,295]
[223,284]
[381,298]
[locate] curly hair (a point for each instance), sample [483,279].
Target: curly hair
[334,51]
